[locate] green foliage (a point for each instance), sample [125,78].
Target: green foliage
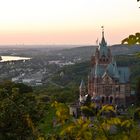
[132,39]
[138,91]
[19,112]
[106,109]
[47,122]
[78,130]
[88,101]
[101,127]
[23,88]
[137,114]
[88,110]
[62,112]
[72,74]
[54,93]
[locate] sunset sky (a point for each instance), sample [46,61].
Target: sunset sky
[67,21]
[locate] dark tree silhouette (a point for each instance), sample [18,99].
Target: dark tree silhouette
[132,39]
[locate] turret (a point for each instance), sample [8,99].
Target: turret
[82,88]
[104,51]
[103,42]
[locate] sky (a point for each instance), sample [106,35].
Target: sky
[67,21]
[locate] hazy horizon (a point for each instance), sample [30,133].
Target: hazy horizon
[67,22]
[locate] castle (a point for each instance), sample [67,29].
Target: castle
[107,82]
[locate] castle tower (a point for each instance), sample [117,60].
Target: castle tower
[82,90]
[107,81]
[103,53]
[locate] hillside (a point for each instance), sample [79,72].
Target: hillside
[73,74]
[84,53]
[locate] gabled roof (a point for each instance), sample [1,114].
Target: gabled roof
[115,70]
[112,69]
[99,70]
[120,73]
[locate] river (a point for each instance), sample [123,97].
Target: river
[13,58]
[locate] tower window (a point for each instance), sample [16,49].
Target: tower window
[116,89]
[111,100]
[107,99]
[103,99]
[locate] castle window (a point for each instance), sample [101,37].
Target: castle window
[103,99]
[117,89]
[111,100]
[107,99]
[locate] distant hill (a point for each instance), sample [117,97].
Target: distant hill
[85,52]
[67,54]
[124,49]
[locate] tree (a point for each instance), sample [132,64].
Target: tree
[132,39]
[19,113]
[23,88]
[100,128]
[138,91]
[88,111]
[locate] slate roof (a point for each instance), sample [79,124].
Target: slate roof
[99,70]
[120,73]
[103,48]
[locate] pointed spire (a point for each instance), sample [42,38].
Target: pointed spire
[103,42]
[102,31]
[115,69]
[82,85]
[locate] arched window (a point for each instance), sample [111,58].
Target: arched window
[103,99]
[111,100]
[107,99]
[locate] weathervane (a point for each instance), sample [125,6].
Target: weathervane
[102,30]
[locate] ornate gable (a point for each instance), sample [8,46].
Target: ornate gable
[106,79]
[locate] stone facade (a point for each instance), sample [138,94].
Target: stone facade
[107,83]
